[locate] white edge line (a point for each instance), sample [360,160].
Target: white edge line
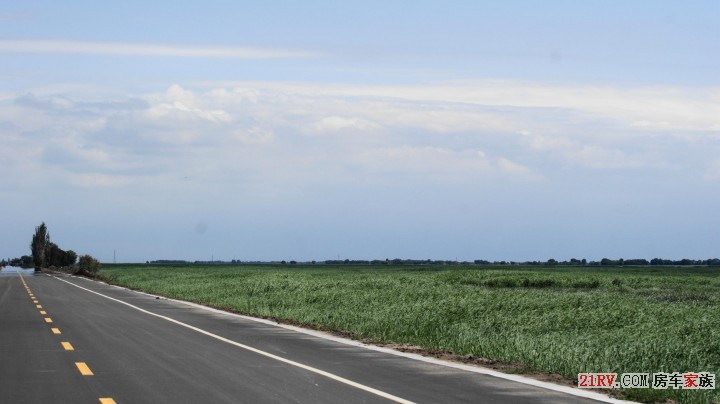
[320,334]
[255,350]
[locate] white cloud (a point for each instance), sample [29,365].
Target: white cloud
[581,153]
[179,112]
[339,124]
[257,133]
[659,108]
[175,93]
[254,135]
[143,49]
[598,157]
[179,104]
[515,168]
[440,164]
[53,102]
[441,118]
[423,161]
[234,95]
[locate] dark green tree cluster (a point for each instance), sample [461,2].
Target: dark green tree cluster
[59,257]
[46,253]
[25,261]
[713,262]
[39,246]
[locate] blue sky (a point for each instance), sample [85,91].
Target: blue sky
[516,130]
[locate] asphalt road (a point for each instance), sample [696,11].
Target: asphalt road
[53,333]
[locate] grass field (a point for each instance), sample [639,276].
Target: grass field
[560,320]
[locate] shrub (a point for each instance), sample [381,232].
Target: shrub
[88,266]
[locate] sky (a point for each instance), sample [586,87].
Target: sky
[313,130]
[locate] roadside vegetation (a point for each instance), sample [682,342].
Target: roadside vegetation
[559,320]
[87,266]
[47,255]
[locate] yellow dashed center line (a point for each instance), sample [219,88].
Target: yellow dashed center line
[84,369]
[82,366]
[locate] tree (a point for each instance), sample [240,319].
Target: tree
[69,258]
[87,265]
[39,246]
[57,257]
[53,255]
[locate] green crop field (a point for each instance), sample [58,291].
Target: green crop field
[548,319]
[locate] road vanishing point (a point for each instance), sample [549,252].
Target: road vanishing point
[65,339]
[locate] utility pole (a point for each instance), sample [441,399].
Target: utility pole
[114,260]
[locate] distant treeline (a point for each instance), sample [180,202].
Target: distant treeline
[550,262]
[25,261]
[46,254]
[398,261]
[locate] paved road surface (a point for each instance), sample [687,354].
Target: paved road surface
[162,351]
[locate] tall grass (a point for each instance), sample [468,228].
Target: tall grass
[560,320]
